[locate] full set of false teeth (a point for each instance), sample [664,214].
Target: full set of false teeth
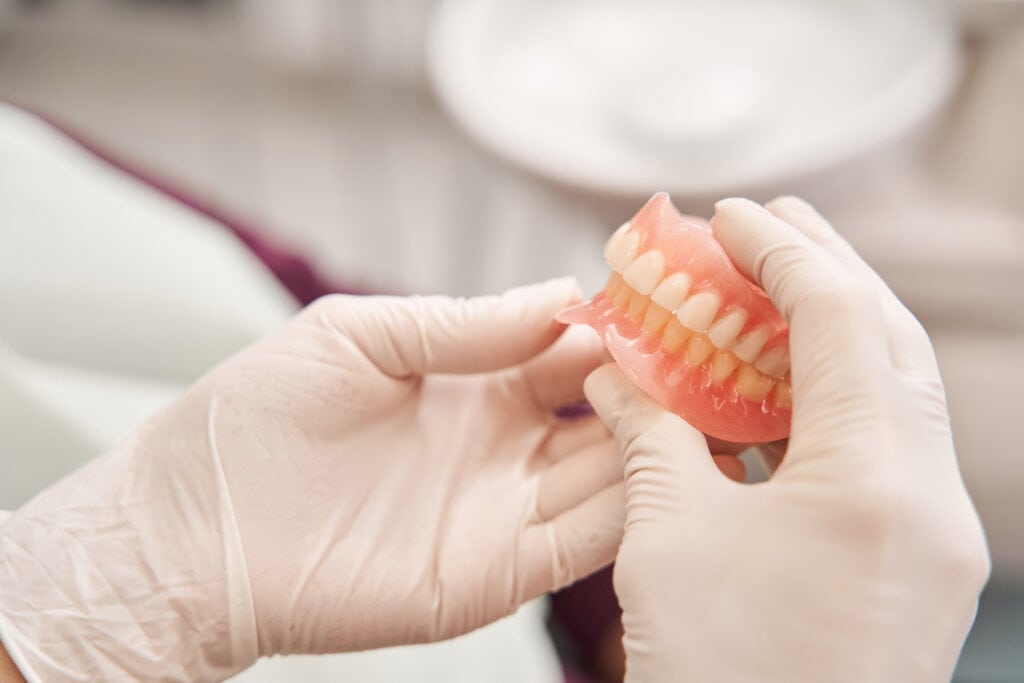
[665,303]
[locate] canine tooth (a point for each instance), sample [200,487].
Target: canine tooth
[646,271]
[698,350]
[621,299]
[655,319]
[699,310]
[750,344]
[724,331]
[613,284]
[672,291]
[623,250]
[783,394]
[752,384]
[774,362]
[674,336]
[722,365]
[638,306]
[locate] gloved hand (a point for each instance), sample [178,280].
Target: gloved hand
[862,558]
[382,471]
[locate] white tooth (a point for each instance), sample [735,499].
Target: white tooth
[724,331]
[751,343]
[624,251]
[645,272]
[614,244]
[672,291]
[774,362]
[699,310]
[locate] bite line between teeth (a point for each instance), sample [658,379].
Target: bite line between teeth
[694,323]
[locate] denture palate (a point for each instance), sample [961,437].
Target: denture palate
[695,324]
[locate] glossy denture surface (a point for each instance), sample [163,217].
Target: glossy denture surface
[690,329]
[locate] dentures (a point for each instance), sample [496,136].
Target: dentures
[690,330]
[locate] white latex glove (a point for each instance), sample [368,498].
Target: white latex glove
[862,558]
[327,489]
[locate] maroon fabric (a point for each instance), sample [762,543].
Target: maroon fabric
[585,610]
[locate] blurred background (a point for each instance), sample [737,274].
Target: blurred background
[177,176]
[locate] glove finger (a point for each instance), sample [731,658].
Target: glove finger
[909,348]
[577,477]
[659,448]
[555,377]
[405,337]
[574,544]
[837,336]
[570,436]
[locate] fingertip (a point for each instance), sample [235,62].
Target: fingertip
[734,204]
[607,389]
[803,217]
[789,202]
[599,378]
[743,227]
[550,295]
[566,289]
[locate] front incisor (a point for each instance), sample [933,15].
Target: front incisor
[622,249]
[646,271]
[615,246]
[672,291]
[699,310]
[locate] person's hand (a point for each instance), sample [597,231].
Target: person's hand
[862,558]
[382,471]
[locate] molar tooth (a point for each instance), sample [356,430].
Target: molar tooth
[655,319]
[674,336]
[672,291]
[783,394]
[699,310]
[752,384]
[646,271]
[698,350]
[638,306]
[750,344]
[774,362]
[623,249]
[724,331]
[722,365]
